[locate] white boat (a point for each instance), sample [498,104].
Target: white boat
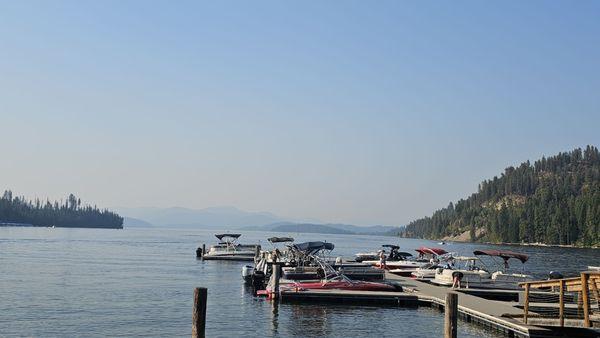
[474,276]
[593,268]
[424,273]
[366,256]
[471,273]
[427,272]
[402,264]
[229,249]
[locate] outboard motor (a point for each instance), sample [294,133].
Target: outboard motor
[199,253]
[555,275]
[258,280]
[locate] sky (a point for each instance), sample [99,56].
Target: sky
[364,112]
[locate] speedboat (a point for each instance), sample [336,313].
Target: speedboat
[467,266]
[229,249]
[366,256]
[503,278]
[427,271]
[395,259]
[402,263]
[326,278]
[476,275]
[340,282]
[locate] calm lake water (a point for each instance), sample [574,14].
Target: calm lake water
[139,282]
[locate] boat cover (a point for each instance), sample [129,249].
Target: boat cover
[280,239]
[506,255]
[392,246]
[221,236]
[314,246]
[436,251]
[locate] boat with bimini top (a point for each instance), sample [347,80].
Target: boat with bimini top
[229,249]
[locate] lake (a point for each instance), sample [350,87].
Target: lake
[139,282]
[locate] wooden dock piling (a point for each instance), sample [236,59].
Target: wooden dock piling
[451,315]
[199,313]
[276,278]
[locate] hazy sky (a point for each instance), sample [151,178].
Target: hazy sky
[344,111]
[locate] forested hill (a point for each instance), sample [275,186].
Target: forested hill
[554,201]
[70,214]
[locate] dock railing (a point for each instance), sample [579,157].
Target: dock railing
[577,298]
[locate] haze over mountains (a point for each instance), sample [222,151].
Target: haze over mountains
[231,218]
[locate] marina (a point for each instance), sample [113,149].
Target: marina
[500,301]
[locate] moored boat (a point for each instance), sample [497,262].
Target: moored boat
[229,249]
[339,282]
[475,274]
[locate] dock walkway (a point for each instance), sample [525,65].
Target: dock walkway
[495,314]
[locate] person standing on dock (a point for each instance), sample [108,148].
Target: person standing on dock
[456,278]
[382,263]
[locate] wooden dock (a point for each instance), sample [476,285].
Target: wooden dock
[501,316]
[351,297]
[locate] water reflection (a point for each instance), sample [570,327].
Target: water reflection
[274,316]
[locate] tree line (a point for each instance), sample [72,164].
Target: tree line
[554,201]
[16,210]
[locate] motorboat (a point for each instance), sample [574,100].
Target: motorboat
[374,255]
[401,262]
[503,278]
[394,258]
[465,265]
[326,278]
[366,256]
[424,273]
[339,282]
[475,273]
[262,263]
[593,268]
[427,271]
[229,249]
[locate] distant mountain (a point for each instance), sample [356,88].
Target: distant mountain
[218,217]
[324,228]
[130,222]
[309,228]
[231,218]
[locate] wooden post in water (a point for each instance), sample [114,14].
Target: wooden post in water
[561,303]
[526,307]
[203,250]
[199,313]
[451,315]
[276,277]
[256,253]
[586,301]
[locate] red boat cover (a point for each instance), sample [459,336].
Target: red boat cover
[436,251]
[506,255]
